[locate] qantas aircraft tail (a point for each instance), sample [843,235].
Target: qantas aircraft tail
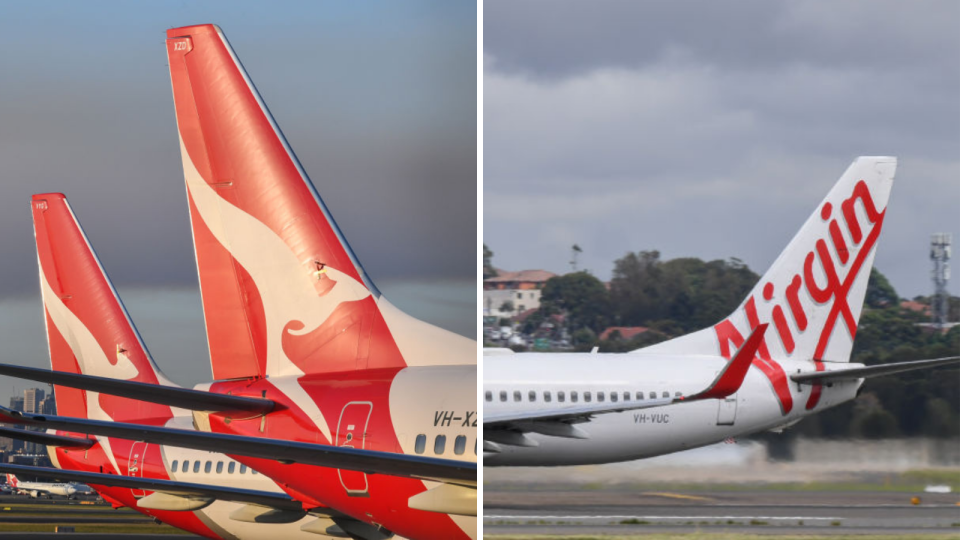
[813,294]
[283,293]
[88,329]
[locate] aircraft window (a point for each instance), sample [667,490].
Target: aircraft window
[599,396]
[573,396]
[626,396]
[532,395]
[208,466]
[516,395]
[666,394]
[231,467]
[677,394]
[475,447]
[460,444]
[561,397]
[503,395]
[173,467]
[243,469]
[421,444]
[439,445]
[639,396]
[587,397]
[613,397]
[488,395]
[196,466]
[547,397]
[219,467]
[186,466]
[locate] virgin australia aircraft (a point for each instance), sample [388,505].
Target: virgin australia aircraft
[572,408]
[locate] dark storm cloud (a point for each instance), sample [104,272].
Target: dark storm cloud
[564,38]
[379,102]
[712,129]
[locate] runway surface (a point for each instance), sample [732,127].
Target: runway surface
[624,512]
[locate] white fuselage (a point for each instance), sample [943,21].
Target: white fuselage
[211,468]
[520,382]
[217,515]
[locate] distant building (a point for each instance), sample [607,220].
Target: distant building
[34,400]
[31,400]
[625,333]
[32,460]
[16,403]
[48,406]
[517,291]
[11,446]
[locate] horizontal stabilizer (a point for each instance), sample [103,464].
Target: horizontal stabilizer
[48,439]
[184,398]
[726,383]
[870,371]
[170,487]
[336,457]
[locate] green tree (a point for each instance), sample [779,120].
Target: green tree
[637,288]
[880,292]
[941,419]
[584,338]
[687,293]
[488,270]
[580,297]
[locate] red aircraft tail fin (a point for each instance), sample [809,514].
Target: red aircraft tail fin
[88,328]
[283,293]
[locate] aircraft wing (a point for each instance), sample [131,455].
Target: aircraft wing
[184,398]
[508,428]
[870,371]
[336,457]
[279,501]
[48,439]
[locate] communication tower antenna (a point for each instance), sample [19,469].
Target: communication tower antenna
[575,251]
[940,255]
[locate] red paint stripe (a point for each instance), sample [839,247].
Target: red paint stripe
[782,329]
[828,327]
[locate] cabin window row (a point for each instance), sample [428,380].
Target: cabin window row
[440,445]
[575,396]
[208,467]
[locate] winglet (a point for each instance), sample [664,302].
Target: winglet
[728,381]
[10,416]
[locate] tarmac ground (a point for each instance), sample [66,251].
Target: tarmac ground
[22,516]
[624,512]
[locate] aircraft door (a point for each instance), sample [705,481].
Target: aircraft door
[352,433]
[727,411]
[136,465]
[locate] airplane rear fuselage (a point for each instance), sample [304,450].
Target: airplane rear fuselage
[430,411]
[521,382]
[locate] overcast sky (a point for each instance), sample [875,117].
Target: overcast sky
[712,129]
[378,100]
